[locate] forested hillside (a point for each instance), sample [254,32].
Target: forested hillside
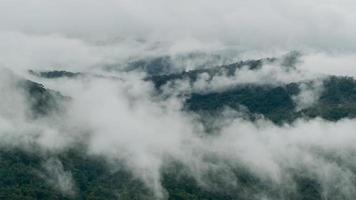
[33,173]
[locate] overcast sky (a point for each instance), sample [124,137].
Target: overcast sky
[129,123]
[320,24]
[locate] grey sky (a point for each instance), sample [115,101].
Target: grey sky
[321,24]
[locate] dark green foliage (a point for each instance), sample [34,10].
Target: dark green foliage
[42,101]
[192,76]
[94,179]
[273,102]
[337,101]
[55,74]
[153,66]
[308,189]
[165,65]
[290,60]
[20,177]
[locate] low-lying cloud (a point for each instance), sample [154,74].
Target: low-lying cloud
[123,119]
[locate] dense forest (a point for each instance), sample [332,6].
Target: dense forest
[20,176]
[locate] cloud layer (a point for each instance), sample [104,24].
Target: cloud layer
[122,119]
[273,23]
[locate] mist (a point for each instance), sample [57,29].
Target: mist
[118,114]
[125,122]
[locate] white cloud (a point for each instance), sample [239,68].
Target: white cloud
[57,177]
[270,24]
[124,121]
[333,63]
[308,95]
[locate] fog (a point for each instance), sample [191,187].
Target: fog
[54,174]
[123,119]
[252,24]
[37,33]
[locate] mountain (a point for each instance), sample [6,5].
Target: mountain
[93,178]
